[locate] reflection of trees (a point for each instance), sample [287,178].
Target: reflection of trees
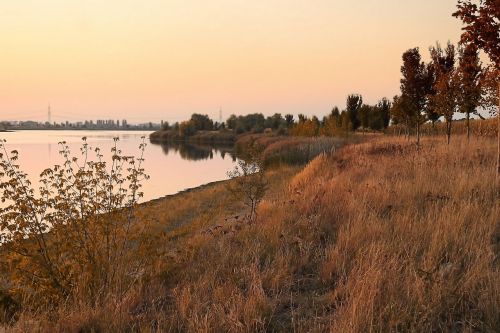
[196,152]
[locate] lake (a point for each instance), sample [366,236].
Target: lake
[172,167]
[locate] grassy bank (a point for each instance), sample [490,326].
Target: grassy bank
[279,150]
[376,237]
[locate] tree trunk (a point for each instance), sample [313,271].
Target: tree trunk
[468,127]
[418,134]
[498,116]
[448,131]
[408,130]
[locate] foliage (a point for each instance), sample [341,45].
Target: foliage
[413,88]
[482,24]
[289,120]
[337,124]
[305,127]
[489,89]
[353,105]
[202,122]
[165,126]
[78,235]
[187,128]
[397,111]
[468,77]
[383,108]
[249,123]
[275,122]
[445,99]
[249,183]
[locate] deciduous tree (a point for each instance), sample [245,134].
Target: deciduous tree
[413,88]
[445,98]
[482,28]
[353,104]
[469,82]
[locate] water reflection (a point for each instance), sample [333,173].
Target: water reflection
[172,167]
[197,152]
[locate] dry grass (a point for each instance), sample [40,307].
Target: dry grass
[478,128]
[379,237]
[279,150]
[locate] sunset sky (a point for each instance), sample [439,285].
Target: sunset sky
[163,59]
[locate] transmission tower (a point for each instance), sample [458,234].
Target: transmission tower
[49,115]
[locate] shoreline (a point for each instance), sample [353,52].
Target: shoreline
[185,191]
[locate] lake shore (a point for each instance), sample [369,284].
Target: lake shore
[202,137]
[189,190]
[325,229]
[364,226]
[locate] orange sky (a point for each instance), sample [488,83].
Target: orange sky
[163,59]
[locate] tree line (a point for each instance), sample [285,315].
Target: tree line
[356,115]
[454,81]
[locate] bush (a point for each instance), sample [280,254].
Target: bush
[249,182]
[78,236]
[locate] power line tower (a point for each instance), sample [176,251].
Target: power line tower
[49,115]
[220,115]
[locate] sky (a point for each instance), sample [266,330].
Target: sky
[152,60]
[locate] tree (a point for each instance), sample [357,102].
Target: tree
[165,126]
[399,114]
[332,124]
[251,122]
[490,82]
[364,114]
[335,112]
[430,83]
[413,89]
[187,128]
[482,24]
[249,182]
[469,82]
[306,127]
[445,98]
[275,121]
[202,122]
[346,124]
[289,120]
[384,107]
[231,122]
[353,104]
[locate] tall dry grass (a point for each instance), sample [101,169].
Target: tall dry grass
[282,150]
[378,237]
[478,128]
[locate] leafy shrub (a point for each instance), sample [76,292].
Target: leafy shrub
[77,236]
[249,182]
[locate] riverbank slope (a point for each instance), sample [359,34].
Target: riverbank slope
[378,236]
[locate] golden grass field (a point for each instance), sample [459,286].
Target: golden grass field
[377,237]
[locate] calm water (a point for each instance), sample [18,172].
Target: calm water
[172,167]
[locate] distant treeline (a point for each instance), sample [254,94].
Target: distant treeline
[357,115]
[454,81]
